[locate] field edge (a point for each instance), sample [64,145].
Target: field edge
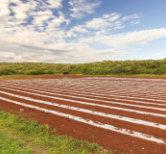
[57,76]
[34,137]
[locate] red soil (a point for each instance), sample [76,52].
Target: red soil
[108,139]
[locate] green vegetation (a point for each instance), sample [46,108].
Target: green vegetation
[21,136]
[157,67]
[10,146]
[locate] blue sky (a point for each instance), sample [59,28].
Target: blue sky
[76,31]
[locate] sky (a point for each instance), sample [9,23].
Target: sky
[80,31]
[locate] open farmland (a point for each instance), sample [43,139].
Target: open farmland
[126,114]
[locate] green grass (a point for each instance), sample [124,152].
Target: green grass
[142,67]
[10,146]
[22,136]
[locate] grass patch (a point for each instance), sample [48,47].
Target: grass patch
[11,146]
[22,136]
[143,67]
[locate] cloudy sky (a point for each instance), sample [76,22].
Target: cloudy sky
[76,31]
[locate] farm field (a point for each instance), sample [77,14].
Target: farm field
[125,114]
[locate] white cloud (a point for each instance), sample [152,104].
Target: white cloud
[4,8]
[79,8]
[41,17]
[107,20]
[30,31]
[112,21]
[79,29]
[18,12]
[55,3]
[72,52]
[21,9]
[104,24]
[132,38]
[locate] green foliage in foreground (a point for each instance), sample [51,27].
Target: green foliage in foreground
[20,136]
[11,146]
[157,67]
